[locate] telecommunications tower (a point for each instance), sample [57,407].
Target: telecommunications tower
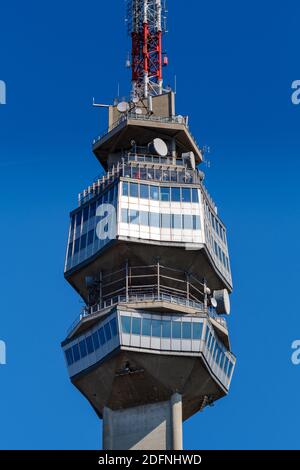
[147,252]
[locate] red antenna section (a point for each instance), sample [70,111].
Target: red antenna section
[146,24]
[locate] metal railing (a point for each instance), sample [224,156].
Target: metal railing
[142,117]
[134,299]
[147,170]
[150,283]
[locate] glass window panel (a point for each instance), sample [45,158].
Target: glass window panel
[105,198]
[126,324]
[83,242]
[114,327]
[134,190]
[157,171]
[165,194]
[195,195]
[70,249]
[89,344]
[197,330]
[96,341]
[186,195]
[111,195]
[125,214]
[175,194]
[136,174]
[93,210]
[146,327]
[166,175]
[143,174]
[76,247]
[134,217]
[99,202]
[156,328]
[107,332]
[186,330]
[69,356]
[154,193]
[187,222]
[72,222]
[150,174]
[86,213]
[82,347]
[78,219]
[154,219]
[144,191]
[76,353]
[101,336]
[230,369]
[176,330]
[222,360]
[216,248]
[207,333]
[196,222]
[166,221]
[212,345]
[90,237]
[136,326]
[144,218]
[176,221]
[217,354]
[125,189]
[166,329]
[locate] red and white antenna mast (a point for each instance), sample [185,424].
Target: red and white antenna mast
[146,25]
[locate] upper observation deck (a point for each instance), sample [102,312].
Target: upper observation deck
[131,126]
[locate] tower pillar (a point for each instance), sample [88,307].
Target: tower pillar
[156,426]
[176,404]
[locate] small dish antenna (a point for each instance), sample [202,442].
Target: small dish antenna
[213,302]
[223,301]
[123,107]
[135,99]
[138,111]
[159,147]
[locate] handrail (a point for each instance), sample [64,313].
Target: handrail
[142,117]
[174,174]
[89,311]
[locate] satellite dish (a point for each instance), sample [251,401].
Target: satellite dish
[213,302]
[138,111]
[123,107]
[223,301]
[159,147]
[135,99]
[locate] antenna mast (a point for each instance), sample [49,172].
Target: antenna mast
[146,24]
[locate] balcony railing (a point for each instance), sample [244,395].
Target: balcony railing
[150,169]
[143,117]
[152,283]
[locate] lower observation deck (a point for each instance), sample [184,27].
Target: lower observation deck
[142,332]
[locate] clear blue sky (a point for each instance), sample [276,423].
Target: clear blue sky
[235,62]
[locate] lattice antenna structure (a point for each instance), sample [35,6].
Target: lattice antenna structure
[146,23]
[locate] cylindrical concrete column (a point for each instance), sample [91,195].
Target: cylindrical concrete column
[176,404]
[107,432]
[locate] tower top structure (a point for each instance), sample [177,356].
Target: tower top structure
[146,22]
